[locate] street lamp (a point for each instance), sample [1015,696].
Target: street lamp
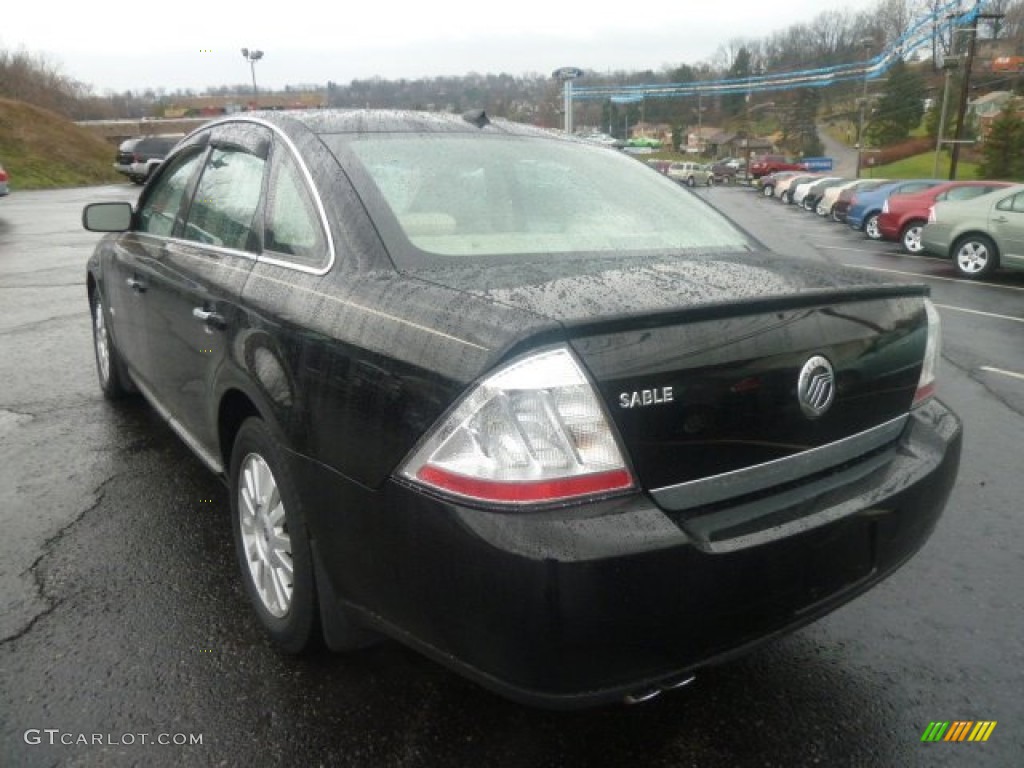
[252,57]
[867,43]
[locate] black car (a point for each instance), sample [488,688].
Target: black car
[515,401]
[139,158]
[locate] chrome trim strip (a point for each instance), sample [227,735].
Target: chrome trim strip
[208,459]
[708,490]
[309,183]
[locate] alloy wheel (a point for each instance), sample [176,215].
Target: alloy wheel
[265,539]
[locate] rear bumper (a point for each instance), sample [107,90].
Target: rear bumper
[888,227]
[585,605]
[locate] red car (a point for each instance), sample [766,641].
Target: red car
[904,216]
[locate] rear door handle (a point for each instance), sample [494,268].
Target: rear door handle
[208,317]
[139,286]
[1000,219]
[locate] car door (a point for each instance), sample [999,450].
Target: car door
[128,292]
[1006,225]
[199,276]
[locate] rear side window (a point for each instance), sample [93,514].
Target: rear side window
[225,202]
[291,224]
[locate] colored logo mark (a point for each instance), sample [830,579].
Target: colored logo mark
[959,730]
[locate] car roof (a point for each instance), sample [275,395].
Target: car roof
[326,121]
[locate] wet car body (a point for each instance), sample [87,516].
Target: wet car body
[736,511]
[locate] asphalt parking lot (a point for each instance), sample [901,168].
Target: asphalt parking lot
[122,616]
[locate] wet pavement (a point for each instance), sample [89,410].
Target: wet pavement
[122,615]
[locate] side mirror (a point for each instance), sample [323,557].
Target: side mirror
[107,217]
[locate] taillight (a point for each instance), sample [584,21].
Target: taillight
[931,214]
[3,175]
[533,432]
[885,207]
[932,352]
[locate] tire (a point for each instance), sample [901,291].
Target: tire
[834,215]
[975,256]
[271,540]
[710,181]
[690,182]
[110,369]
[871,227]
[808,204]
[768,190]
[821,210]
[910,237]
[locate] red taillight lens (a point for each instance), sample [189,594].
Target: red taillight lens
[533,432]
[932,353]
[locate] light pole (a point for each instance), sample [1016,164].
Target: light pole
[252,57]
[867,43]
[949,63]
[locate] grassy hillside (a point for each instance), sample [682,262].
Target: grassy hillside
[922,166]
[41,150]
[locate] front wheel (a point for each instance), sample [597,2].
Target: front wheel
[271,539]
[690,181]
[871,227]
[710,181]
[110,369]
[768,190]
[910,237]
[975,256]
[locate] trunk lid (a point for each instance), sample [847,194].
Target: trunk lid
[699,362]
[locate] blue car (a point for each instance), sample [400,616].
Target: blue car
[866,207]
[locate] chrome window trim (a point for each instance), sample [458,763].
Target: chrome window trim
[311,187]
[708,490]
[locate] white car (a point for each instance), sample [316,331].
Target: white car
[804,187]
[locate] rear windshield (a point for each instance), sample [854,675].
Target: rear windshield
[457,196]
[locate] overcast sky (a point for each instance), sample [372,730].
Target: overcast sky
[194,44]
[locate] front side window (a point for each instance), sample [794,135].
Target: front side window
[291,223]
[464,196]
[160,209]
[226,199]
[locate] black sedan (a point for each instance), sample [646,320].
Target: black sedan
[515,401]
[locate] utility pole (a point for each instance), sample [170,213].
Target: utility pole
[866,42]
[964,91]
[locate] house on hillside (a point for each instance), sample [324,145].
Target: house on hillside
[728,144]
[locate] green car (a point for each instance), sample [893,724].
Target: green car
[979,235]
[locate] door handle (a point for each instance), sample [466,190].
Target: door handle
[1000,220]
[208,317]
[139,286]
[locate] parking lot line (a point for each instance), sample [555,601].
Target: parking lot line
[979,312]
[872,251]
[1011,374]
[959,280]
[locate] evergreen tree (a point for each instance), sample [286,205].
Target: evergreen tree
[900,109]
[733,104]
[1003,150]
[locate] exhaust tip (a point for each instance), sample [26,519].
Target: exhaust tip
[652,693]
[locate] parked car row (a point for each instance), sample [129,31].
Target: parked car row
[965,221]
[139,158]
